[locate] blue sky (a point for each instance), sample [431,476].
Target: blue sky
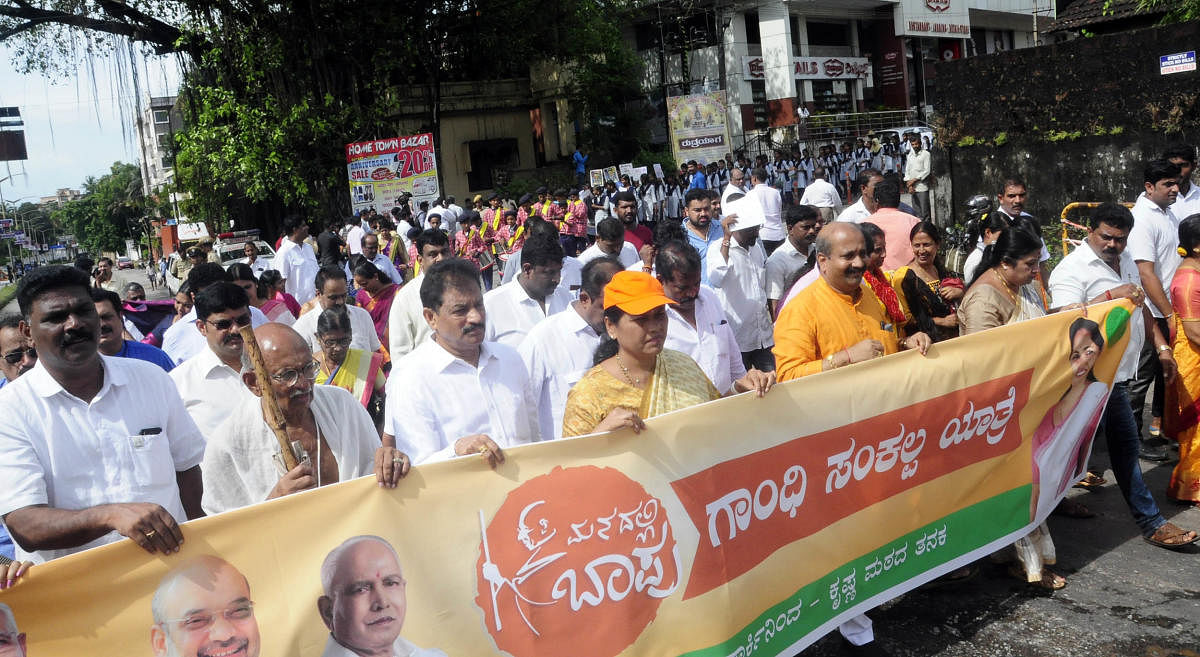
[74,129]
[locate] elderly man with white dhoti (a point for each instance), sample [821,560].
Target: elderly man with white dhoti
[330,433]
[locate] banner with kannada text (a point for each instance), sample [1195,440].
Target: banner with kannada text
[740,526]
[699,130]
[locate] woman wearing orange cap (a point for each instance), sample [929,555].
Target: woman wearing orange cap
[634,377]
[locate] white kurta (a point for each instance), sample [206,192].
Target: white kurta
[239,465]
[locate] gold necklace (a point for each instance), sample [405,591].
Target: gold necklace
[637,383]
[1007,288]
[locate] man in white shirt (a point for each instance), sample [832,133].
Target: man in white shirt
[210,383]
[865,205]
[358,624]
[92,448]
[560,350]
[354,235]
[737,271]
[257,264]
[331,287]
[296,261]
[822,195]
[336,435]
[696,324]
[449,216]
[737,185]
[796,254]
[1010,203]
[1187,203]
[771,201]
[917,170]
[610,241]
[370,251]
[1099,270]
[516,307]
[183,339]
[456,394]
[407,327]
[1154,244]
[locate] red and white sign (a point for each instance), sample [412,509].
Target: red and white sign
[814,68]
[382,169]
[933,18]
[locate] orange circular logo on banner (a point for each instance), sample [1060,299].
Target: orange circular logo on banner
[576,562]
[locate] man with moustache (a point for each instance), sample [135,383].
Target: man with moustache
[1099,270]
[625,207]
[795,255]
[558,351]
[112,343]
[183,339]
[822,328]
[16,351]
[332,289]
[517,306]
[210,382]
[78,410]
[203,609]
[696,323]
[334,431]
[457,394]
[365,601]
[406,325]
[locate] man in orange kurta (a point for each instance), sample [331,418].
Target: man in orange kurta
[838,320]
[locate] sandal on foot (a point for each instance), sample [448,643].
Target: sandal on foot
[1050,581]
[1091,481]
[1171,537]
[1072,509]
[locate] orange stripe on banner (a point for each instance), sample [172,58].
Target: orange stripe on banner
[813,481]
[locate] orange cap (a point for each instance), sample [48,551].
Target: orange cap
[634,292]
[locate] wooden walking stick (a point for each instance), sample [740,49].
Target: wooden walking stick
[273,415]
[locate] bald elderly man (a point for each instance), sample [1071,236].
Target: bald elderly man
[333,429]
[12,640]
[203,609]
[365,601]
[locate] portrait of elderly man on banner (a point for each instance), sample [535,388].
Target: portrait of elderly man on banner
[364,601]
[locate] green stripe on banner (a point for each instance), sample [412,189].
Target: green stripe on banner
[889,566]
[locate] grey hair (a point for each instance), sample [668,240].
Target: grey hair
[158,605]
[329,566]
[9,621]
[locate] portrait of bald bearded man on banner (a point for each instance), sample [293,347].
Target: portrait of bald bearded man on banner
[365,601]
[12,640]
[203,609]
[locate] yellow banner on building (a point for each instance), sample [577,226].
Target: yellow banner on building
[740,526]
[699,129]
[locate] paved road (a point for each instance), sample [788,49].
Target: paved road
[1124,597]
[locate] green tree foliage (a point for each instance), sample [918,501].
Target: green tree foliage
[273,91]
[110,210]
[1176,10]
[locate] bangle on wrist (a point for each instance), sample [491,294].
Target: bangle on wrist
[1108,295]
[849,360]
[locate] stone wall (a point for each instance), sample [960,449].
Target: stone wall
[1076,120]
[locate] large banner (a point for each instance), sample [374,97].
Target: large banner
[740,526]
[382,169]
[698,127]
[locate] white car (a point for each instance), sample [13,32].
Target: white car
[235,251]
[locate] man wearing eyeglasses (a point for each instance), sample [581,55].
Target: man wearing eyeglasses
[183,339]
[332,289]
[18,354]
[336,436]
[210,382]
[92,448]
[203,609]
